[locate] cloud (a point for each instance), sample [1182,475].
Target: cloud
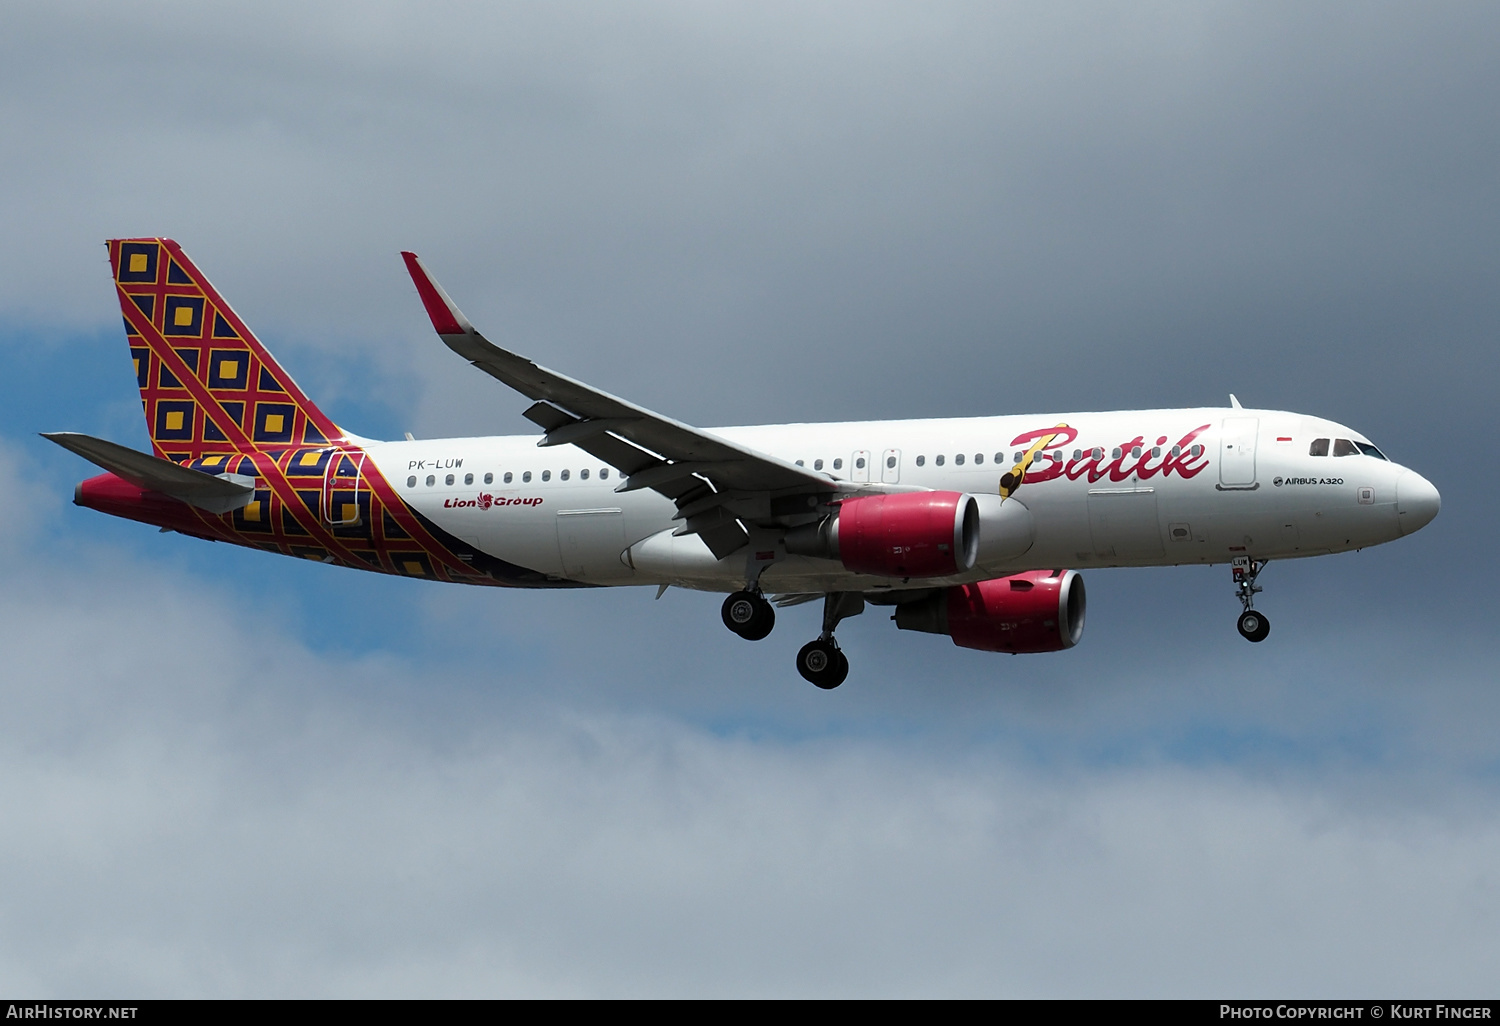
[220,840]
[680,194]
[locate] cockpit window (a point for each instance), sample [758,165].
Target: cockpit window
[1370,450]
[1319,447]
[1344,447]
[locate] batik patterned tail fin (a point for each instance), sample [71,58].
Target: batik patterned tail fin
[207,384]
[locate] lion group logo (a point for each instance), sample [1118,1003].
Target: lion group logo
[487,501]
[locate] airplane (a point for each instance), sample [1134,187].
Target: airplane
[972,527]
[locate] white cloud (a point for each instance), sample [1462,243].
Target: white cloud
[236,838]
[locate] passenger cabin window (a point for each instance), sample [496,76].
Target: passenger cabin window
[508,477]
[999,457]
[468,479]
[801,464]
[490,478]
[890,461]
[978,457]
[838,464]
[958,460]
[583,475]
[604,473]
[939,461]
[859,464]
[526,477]
[1344,447]
[546,475]
[921,461]
[817,464]
[411,482]
[1078,454]
[448,480]
[431,480]
[1319,447]
[1370,450]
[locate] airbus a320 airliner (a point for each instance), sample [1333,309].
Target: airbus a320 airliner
[970,527]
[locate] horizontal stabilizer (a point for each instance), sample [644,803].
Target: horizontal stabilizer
[212,493]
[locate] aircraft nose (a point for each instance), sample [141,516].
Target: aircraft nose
[1417,502]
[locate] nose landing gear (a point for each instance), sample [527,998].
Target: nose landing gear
[1253,626]
[749,615]
[820,662]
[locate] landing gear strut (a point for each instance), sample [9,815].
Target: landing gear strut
[820,661]
[1253,626]
[749,615]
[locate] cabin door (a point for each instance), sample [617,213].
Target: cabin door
[1237,452]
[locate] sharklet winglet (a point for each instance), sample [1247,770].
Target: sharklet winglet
[447,318]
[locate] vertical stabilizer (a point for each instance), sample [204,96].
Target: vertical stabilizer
[207,384]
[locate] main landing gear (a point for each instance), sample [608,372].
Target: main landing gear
[820,661]
[749,615]
[1253,626]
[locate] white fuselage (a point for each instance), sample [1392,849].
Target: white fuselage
[1118,496]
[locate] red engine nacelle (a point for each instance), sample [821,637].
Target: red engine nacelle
[911,534]
[1038,611]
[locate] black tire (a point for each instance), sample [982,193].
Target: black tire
[748,615]
[822,664]
[1254,626]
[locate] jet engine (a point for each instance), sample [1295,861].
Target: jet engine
[910,534]
[1038,611]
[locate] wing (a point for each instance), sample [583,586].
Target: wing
[715,483]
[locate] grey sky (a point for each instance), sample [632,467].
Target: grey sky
[222,780]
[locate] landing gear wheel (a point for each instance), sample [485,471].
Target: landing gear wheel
[821,663]
[749,615]
[1254,626]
